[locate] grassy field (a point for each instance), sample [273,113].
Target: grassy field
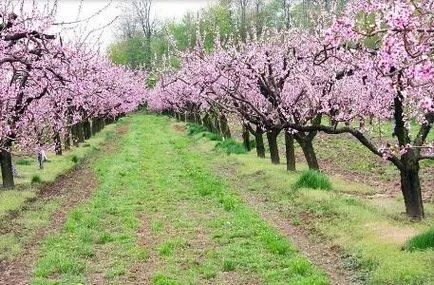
[342,155]
[161,217]
[169,208]
[28,169]
[370,231]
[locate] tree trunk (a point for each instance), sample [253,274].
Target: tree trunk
[410,186]
[290,152]
[109,121]
[98,124]
[190,117]
[246,138]
[272,144]
[74,132]
[197,119]
[6,167]
[87,130]
[80,132]
[94,126]
[216,125]
[309,153]
[259,139]
[224,126]
[207,122]
[57,144]
[67,139]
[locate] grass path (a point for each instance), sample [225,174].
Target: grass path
[160,216]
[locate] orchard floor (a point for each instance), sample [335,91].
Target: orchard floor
[156,206]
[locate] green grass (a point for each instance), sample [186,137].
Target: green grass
[23,162]
[313,179]
[36,179]
[57,166]
[231,146]
[194,129]
[13,200]
[32,211]
[371,232]
[213,136]
[75,159]
[172,207]
[422,241]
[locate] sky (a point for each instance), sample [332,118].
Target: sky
[161,9]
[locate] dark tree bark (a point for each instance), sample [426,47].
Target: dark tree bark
[67,139]
[305,142]
[216,124]
[6,166]
[87,130]
[94,126]
[57,144]
[197,119]
[97,125]
[224,126]
[259,139]
[207,122]
[74,133]
[246,138]
[80,132]
[190,117]
[290,152]
[410,185]
[274,148]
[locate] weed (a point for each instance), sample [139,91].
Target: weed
[193,129]
[228,265]
[23,162]
[231,147]
[422,241]
[36,179]
[213,136]
[313,179]
[75,159]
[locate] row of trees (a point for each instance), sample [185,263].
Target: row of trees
[375,61]
[51,90]
[144,40]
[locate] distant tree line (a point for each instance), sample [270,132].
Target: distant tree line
[145,42]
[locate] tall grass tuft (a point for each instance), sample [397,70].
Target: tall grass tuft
[313,179]
[23,162]
[36,179]
[213,136]
[422,241]
[231,147]
[193,129]
[75,159]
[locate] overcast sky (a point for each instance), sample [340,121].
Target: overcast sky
[162,10]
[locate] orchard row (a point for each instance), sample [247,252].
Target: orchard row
[374,62]
[50,90]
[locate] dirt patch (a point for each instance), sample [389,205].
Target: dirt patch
[391,234]
[122,129]
[142,272]
[76,191]
[179,128]
[323,255]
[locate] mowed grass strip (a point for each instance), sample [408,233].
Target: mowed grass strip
[161,217]
[372,233]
